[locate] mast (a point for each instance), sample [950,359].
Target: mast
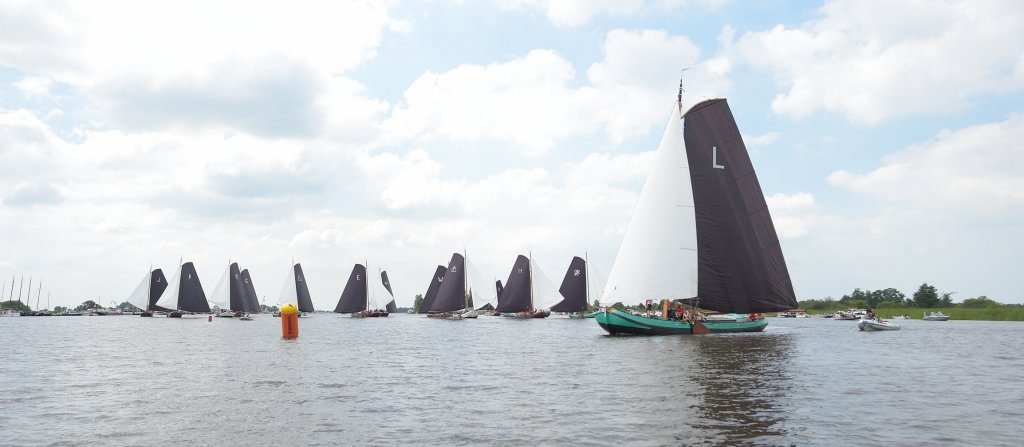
[39,293]
[366,286]
[586,279]
[21,286]
[531,279]
[465,278]
[28,296]
[149,287]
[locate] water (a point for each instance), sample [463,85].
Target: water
[413,380]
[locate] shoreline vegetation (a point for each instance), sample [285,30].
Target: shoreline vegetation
[891,302]
[955,313]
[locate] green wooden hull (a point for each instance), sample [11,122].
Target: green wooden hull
[616,322]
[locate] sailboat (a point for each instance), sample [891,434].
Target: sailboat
[148,292]
[701,230]
[296,291]
[230,295]
[431,295]
[184,293]
[518,298]
[455,295]
[575,289]
[359,299]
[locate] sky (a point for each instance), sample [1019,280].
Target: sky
[886,136]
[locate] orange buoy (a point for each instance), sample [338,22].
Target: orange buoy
[289,321]
[209,318]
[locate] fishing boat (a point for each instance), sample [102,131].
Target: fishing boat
[936,316]
[229,296]
[184,293]
[866,324]
[456,297]
[360,299]
[431,295]
[296,291]
[701,230]
[146,294]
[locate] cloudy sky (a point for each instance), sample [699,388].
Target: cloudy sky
[886,135]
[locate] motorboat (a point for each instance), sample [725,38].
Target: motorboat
[876,325]
[936,316]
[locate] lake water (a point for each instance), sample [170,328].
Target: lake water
[412,380]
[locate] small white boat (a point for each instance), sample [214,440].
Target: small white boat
[874,325]
[470,314]
[936,316]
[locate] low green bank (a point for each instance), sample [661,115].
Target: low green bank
[958,313]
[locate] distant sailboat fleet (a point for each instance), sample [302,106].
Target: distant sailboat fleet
[700,239]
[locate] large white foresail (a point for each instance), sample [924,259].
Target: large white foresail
[169,299]
[378,296]
[658,255]
[221,296]
[140,297]
[545,292]
[483,291]
[289,294]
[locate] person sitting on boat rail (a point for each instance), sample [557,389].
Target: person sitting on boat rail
[871,315]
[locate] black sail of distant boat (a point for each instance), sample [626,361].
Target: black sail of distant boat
[516,295]
[451,295]
[740,264]
[391,307]
[236,289]
[191,297]
[302,291]
[353,298]
[574,288]
[498,288]
[252,303]
[157,284]
[431,295]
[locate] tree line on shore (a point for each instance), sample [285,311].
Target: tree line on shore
[926,297]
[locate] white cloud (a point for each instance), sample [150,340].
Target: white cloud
[866,61]
[573,13]
[576,12]
[35,86]
[530,104]
[173,65]
[756,141]
[794,215]
[976,169]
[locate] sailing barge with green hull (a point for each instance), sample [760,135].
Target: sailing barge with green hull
[701,231]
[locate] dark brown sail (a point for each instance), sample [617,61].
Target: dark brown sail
[302,291]
[431,295]
[452,293]
[516,296]
[574,288]
[252,303]
[391,306]
[740,264]
[157,284]
[353,298]
[191,297]
[236,289]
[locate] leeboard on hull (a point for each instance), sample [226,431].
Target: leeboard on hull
[617,322]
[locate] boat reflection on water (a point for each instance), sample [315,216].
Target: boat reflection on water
[741,382]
